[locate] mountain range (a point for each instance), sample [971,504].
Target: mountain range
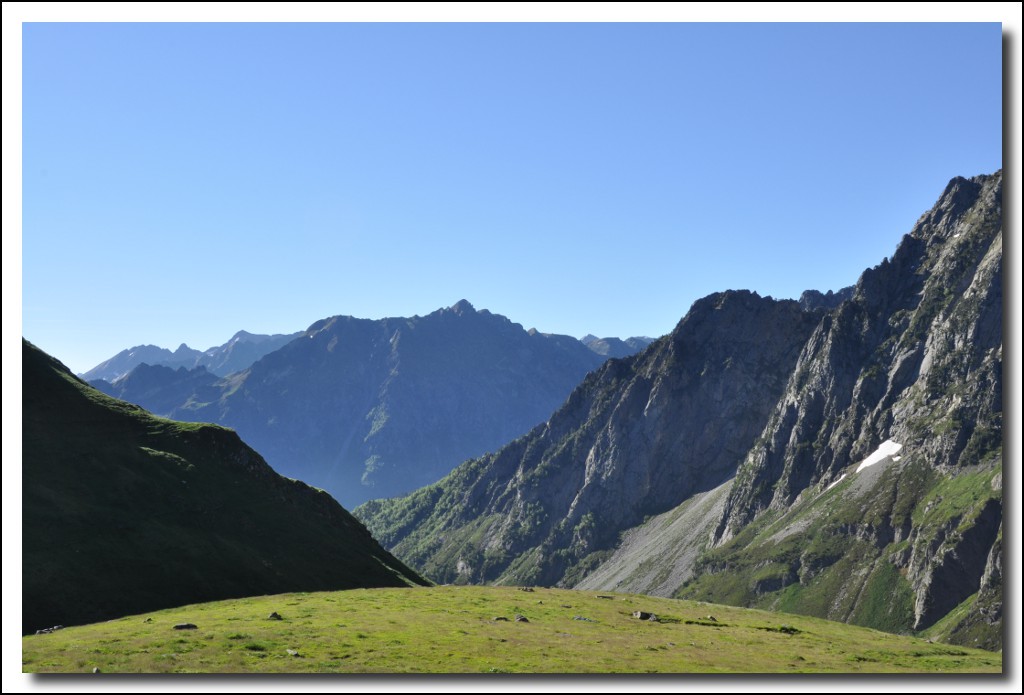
[243,349]
[838,456]
[124,512]
[375,408]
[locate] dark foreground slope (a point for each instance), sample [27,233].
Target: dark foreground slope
[732,431]
[125,512]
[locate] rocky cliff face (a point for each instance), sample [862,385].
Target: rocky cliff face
[368,408]
[919,343]
[637,437]
[914,358]
[855,440]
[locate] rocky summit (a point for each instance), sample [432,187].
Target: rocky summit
[838,456]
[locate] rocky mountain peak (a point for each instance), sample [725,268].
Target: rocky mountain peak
[462,307]
[960,195]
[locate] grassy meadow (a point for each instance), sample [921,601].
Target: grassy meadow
[459,630]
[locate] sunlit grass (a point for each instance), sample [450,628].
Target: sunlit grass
[453,630]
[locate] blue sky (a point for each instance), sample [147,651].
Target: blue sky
[182,182]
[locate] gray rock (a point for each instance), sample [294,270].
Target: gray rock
[521,618]
[186,626]
[275,616]
[913,356]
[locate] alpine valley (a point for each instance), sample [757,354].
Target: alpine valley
[365,408]
[826,467]
[839,456]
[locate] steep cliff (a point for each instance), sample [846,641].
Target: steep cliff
[896,401]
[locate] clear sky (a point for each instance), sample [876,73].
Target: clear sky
[185,181]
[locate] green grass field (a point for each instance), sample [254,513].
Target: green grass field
[453,630]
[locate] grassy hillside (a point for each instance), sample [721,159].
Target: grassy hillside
[454,630]
[847,553]
[124,512]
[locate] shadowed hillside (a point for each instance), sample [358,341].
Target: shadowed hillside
[125,512]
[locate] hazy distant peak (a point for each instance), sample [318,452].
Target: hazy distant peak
[463,307]
[615,347]
[244,336]
[243,349]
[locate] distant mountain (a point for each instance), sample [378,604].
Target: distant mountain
[840,456]
[126,360]
[235,355]
[124,512]
[616,347]
[366,408]
[162,389]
